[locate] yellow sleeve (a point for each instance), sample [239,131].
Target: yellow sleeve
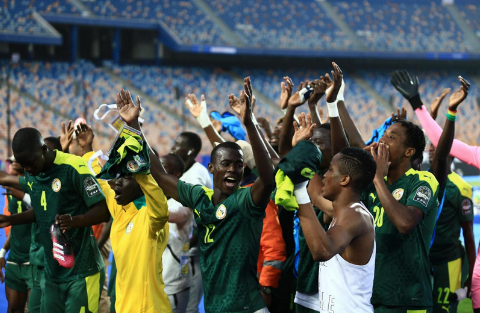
[108,192]
[156,202]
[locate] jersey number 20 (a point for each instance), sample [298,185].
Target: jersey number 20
[378,219]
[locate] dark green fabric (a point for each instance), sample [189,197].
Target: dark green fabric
[130,161]
[302,162]
[20,234]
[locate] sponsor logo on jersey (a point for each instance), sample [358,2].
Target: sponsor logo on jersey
[132,166]
[398,193]
[30,184]
[129,227]
[221,212]
[56,185]
[466,205]
[372,196]
[307,172]
[91,187]
[423,195]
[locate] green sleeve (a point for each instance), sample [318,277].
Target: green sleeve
[246,204]
[23,183]
[87,187]
[190,195]
[422,193]
[465,206]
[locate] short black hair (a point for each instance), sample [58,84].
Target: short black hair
[225,145]
[55,142]
[194,141]
[414,137]
[328,127]
[179,163]
[26,139]
[359,165]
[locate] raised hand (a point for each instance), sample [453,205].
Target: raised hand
[401,115]
[194,106]
[459,95]
[286,92]
[295,99]
[85,137]
[437,102]
[331,95]
[128,111]
[246,99]
[67,135]
[319,87]
[408,87]
[321,115]
[382,160]
[305,130]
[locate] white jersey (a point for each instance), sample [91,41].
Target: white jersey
[346,287]
[197,174]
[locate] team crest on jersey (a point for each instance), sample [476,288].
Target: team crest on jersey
[132,166]
[466,205]
[56,185]
[221,212]
[129,227]
[398,193]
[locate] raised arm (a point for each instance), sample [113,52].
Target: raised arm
[320,86]
[199,111]
[264,184]
[285,137]
[130,114]
[440,162]
[157,208]
[338,136]
[409,89]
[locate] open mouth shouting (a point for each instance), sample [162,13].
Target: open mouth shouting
[230,181]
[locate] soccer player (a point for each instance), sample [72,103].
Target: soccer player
[187,146]
[229,219]
[138,235]
[66,199]
[404,203]
[18,272]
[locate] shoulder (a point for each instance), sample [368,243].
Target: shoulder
[460,185]
[76,163]
[417,178]
[357,216]
[197,174]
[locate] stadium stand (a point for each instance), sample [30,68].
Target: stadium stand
[404,26]
[284,24]
[470,11]
[56,7]
[185,20]
[16,18]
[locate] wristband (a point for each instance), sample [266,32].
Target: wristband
[451,115]
[27,199]
[332,109]
[340,94]
[300,192]
[2,253]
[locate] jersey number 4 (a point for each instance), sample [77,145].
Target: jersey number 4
[43,201]
[378,219]
[209,230]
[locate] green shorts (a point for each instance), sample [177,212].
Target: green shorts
[81,295]
[18,277]
[35,299]
[401,309]
[448,277]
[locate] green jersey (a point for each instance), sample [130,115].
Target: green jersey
[67,187]
[19,234]
[229,243]
[308,270]
[457,209]
[402,275]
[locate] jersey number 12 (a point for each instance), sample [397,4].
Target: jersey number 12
[209,230]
